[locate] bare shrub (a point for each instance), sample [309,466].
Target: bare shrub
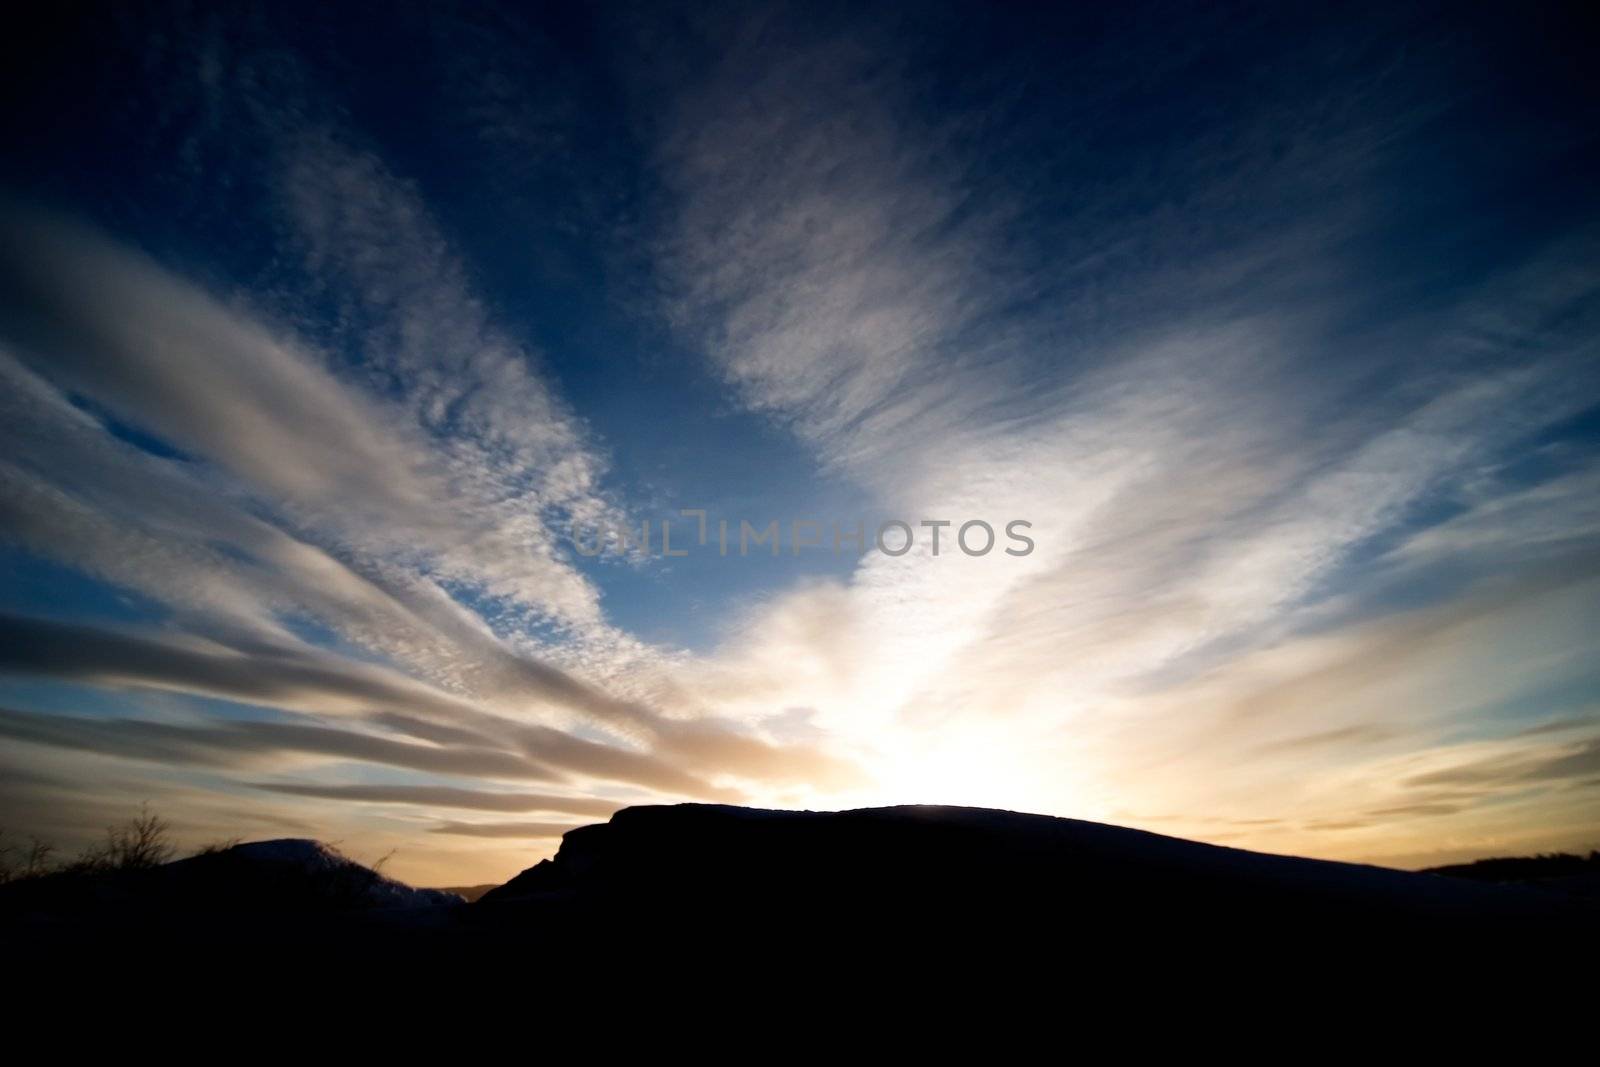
[142,842]
[38,859]
[32,860]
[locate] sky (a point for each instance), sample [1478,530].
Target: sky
[1250,353]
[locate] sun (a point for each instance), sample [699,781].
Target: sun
[971,765]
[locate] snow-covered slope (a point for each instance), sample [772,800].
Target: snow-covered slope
[322,864]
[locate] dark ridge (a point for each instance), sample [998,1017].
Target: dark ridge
[1554,872]
[943,894]
[287,876]
[972,873]
[1522,868]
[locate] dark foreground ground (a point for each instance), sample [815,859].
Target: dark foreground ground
[922,894]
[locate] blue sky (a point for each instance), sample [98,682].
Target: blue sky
[322,331]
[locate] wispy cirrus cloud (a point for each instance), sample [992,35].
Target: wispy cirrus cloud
[241,548]
[316,683]
[437,796]
[517,830]
[394,516]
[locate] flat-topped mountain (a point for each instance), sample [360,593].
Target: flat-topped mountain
[972,872]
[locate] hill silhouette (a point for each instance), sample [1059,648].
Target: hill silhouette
[940,890]
[973,870]
[1554,869]
[285,875]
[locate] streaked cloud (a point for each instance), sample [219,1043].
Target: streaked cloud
[519,830]
[437,796]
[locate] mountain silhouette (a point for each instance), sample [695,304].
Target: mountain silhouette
[972,870]
[916,891]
